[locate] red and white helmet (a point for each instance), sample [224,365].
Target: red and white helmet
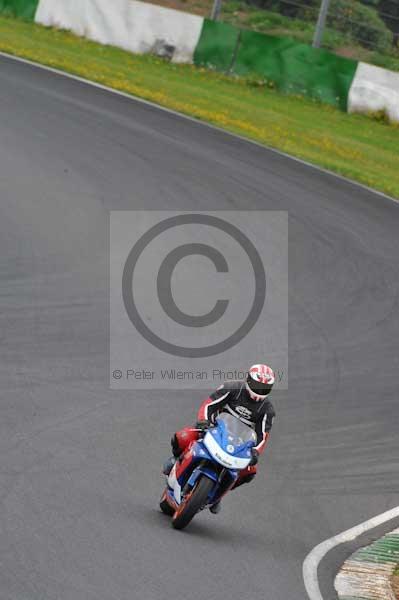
[260,382]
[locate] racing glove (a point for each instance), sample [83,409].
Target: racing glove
[255,457]
[203,425]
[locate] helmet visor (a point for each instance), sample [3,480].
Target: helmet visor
[261,389]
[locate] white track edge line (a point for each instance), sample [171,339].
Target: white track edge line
[313,559]
[194,120]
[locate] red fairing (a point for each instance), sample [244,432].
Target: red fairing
[202,411]
[251,470]
[185,437]
[185,463]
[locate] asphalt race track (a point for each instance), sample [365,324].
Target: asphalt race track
[79,463]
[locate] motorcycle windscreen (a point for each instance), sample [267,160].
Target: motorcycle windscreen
[234,432]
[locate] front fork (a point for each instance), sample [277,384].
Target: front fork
[203,467]
[222,485]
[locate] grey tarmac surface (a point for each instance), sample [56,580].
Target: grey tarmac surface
[79,464]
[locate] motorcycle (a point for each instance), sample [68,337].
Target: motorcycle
[207,470]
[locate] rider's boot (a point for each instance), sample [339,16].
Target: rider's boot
[216,508]
[168,465]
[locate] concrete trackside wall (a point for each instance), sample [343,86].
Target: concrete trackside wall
[217,45]
[375,89]
[128,24]
[292,67]
[296,68]
[25,9]
[64,14]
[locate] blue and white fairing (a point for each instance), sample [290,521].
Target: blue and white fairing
[230,442]
[227,444]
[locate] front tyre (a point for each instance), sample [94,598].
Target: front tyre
[193,502]
[165,506]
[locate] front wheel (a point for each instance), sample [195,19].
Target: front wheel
[193,502]
[165,506]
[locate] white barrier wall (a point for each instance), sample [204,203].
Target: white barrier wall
[129,24]
[64,14]
[374,89]
[138,26]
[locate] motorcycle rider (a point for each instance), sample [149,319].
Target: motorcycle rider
[248,401]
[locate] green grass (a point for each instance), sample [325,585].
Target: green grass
[352,145]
